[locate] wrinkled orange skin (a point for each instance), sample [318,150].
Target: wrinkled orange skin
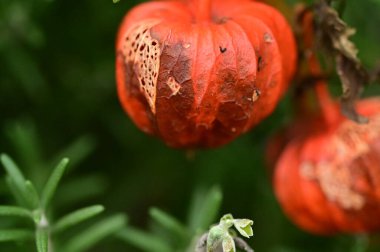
[243,48]
[303,199]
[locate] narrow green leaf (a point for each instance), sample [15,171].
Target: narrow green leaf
[169,222]
[24,137]
[207,210]
[76,217]
[77,151]
[14,173]
[52,183]
[22,65]
[15,211]
[15,234]
[20,199]
[196,203]
[33,197]
[96,233]
[42,240]
[142,240]
[79,189]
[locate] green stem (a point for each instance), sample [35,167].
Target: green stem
[43,224]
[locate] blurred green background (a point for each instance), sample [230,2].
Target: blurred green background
[58,98]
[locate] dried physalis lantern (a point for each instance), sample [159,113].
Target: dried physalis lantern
[328,181]
[198,73]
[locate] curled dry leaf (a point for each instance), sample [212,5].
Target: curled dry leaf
[375,74]
[334,36]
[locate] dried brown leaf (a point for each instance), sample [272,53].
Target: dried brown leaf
[334,36]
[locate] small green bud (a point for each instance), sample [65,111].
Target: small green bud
[227,221]
[221,235]
[215,237]
[244,226]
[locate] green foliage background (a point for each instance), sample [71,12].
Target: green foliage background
[58,98]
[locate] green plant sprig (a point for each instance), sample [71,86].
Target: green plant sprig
[173,235]
[220,234]
[33,207]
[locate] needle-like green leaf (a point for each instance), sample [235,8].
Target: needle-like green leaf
[33,198]
[142,240]
[169,222]
[78,189]
[15,234]
[42,240]
[24,137]
[207,210]
[96,233]
[15,175]
[52,183]
[76,217]
[16,192]
[77,151]
[15,211]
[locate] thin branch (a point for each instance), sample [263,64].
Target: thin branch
[202,243]
[241,244]
[375,74]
